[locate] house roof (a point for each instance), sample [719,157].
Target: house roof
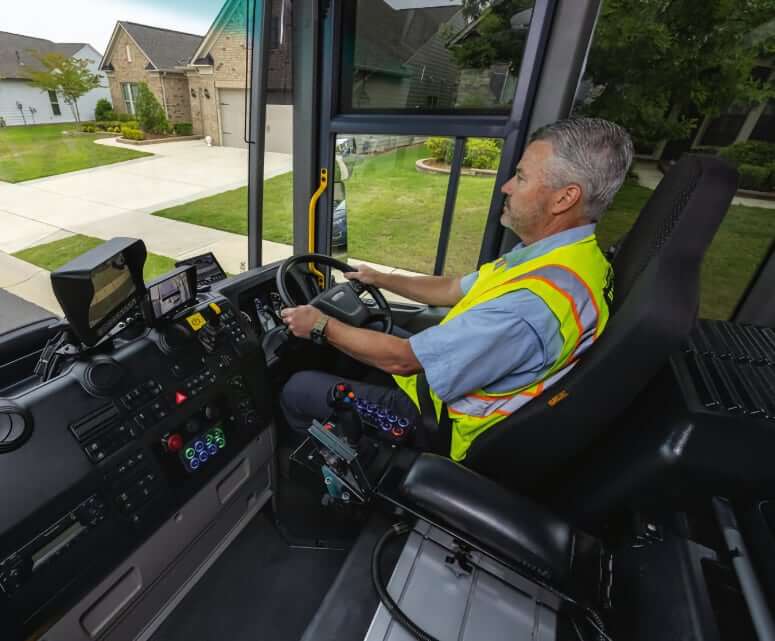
[16,53]
[164,48]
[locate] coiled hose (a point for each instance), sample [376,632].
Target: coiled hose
[396,530]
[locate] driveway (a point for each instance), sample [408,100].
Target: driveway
[117,200]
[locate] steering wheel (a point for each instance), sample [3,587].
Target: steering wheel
[342,301]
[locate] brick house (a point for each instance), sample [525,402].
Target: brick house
[218,76]
[158,57]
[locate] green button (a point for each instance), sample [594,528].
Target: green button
[209,438]
[221,442]
[190,452]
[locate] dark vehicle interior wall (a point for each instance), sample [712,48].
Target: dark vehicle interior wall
[152,490]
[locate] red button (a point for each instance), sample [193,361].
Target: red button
[180,398]
[174,442]
[398,432]
[340,387]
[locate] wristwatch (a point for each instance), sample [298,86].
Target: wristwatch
[318,333]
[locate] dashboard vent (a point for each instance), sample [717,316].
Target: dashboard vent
[96,422]
[15,426]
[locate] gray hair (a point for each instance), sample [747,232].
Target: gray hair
[592,152]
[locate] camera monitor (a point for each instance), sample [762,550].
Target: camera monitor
[208,269]
[98,289]
[169,293]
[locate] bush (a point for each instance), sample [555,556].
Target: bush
[149,112]
[132,134]
[482,153]
[122,117]
[440,149]
[751,152]
[755,177]
[89,129]
[479,153]
[103,110]
[183,128]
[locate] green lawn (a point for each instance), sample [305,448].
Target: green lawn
[53,255]
[36,151]
[394,215]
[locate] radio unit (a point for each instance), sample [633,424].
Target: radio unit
[17,568]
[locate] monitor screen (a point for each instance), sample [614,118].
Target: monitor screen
[165,296]
[113,286]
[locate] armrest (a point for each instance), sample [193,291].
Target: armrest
[509,526]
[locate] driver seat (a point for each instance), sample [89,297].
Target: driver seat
[656,298]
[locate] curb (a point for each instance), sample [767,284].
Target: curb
[157,141]
[422,165]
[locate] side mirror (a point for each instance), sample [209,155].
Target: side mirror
[339,222]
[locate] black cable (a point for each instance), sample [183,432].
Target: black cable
[395,530]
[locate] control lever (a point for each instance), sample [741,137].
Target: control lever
[341,399]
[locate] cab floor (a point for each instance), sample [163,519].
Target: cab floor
[260,589]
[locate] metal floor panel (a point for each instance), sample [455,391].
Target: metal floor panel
[490,603]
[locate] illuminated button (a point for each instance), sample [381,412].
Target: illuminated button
[199,446]
[398,432]
[351,395]
[194,463]
[209,438]
[340,387]
[190,453]
[220,442]
[403,422]
[216,308]
[203,456]
[212,450]
[180,398]
[174,442]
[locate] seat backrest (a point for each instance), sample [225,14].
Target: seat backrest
[656,297]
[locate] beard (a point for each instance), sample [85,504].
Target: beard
[520,221]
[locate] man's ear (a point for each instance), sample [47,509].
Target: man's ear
[565,198]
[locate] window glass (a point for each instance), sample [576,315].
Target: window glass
[710,101]
[182,191]
[449,56]
[52,96]
[391,212]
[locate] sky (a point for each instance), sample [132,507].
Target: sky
[92,21]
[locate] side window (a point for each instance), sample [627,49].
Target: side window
[129,92]
[54,100]
[714,102]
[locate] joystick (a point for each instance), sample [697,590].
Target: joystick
[342,400]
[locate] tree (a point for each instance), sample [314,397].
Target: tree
[149,112]
[653,62]
[103,110]
[69,77]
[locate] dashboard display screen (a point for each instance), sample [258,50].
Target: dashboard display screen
[113,286]
[167,295]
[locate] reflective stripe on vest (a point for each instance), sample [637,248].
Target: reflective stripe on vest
[571,280]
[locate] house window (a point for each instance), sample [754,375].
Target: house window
[129,91]
[128,54]
[54,100]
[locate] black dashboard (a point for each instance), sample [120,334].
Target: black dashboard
[117,441]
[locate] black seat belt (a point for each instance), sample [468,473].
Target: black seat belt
[438,432]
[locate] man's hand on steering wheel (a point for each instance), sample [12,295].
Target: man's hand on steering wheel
[363,273]
[301,319]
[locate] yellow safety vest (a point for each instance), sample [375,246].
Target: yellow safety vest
[574,281]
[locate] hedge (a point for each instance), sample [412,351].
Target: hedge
[183,128]
[757,177]
[751,152]
[103,110]
[479,153]
[132,134]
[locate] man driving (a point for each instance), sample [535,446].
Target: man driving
[517,325]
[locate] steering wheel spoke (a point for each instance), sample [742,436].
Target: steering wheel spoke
[341,301]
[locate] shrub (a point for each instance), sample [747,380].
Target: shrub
[479,153]
[754,177]
[103,110]
[149,112]
[122,117]
[751,152]
[88,129]
[482,153]
[132,134]
[440,149]
[183,128]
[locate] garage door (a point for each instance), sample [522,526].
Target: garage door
[232,117]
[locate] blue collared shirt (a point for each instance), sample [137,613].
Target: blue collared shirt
[499,345]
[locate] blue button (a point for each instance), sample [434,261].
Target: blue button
[199,446]
[203,456]
[212,449]
[194,463]
[392,418]
[403,422]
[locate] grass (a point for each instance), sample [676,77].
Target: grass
[51,256]
[37,151]
[394,216]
